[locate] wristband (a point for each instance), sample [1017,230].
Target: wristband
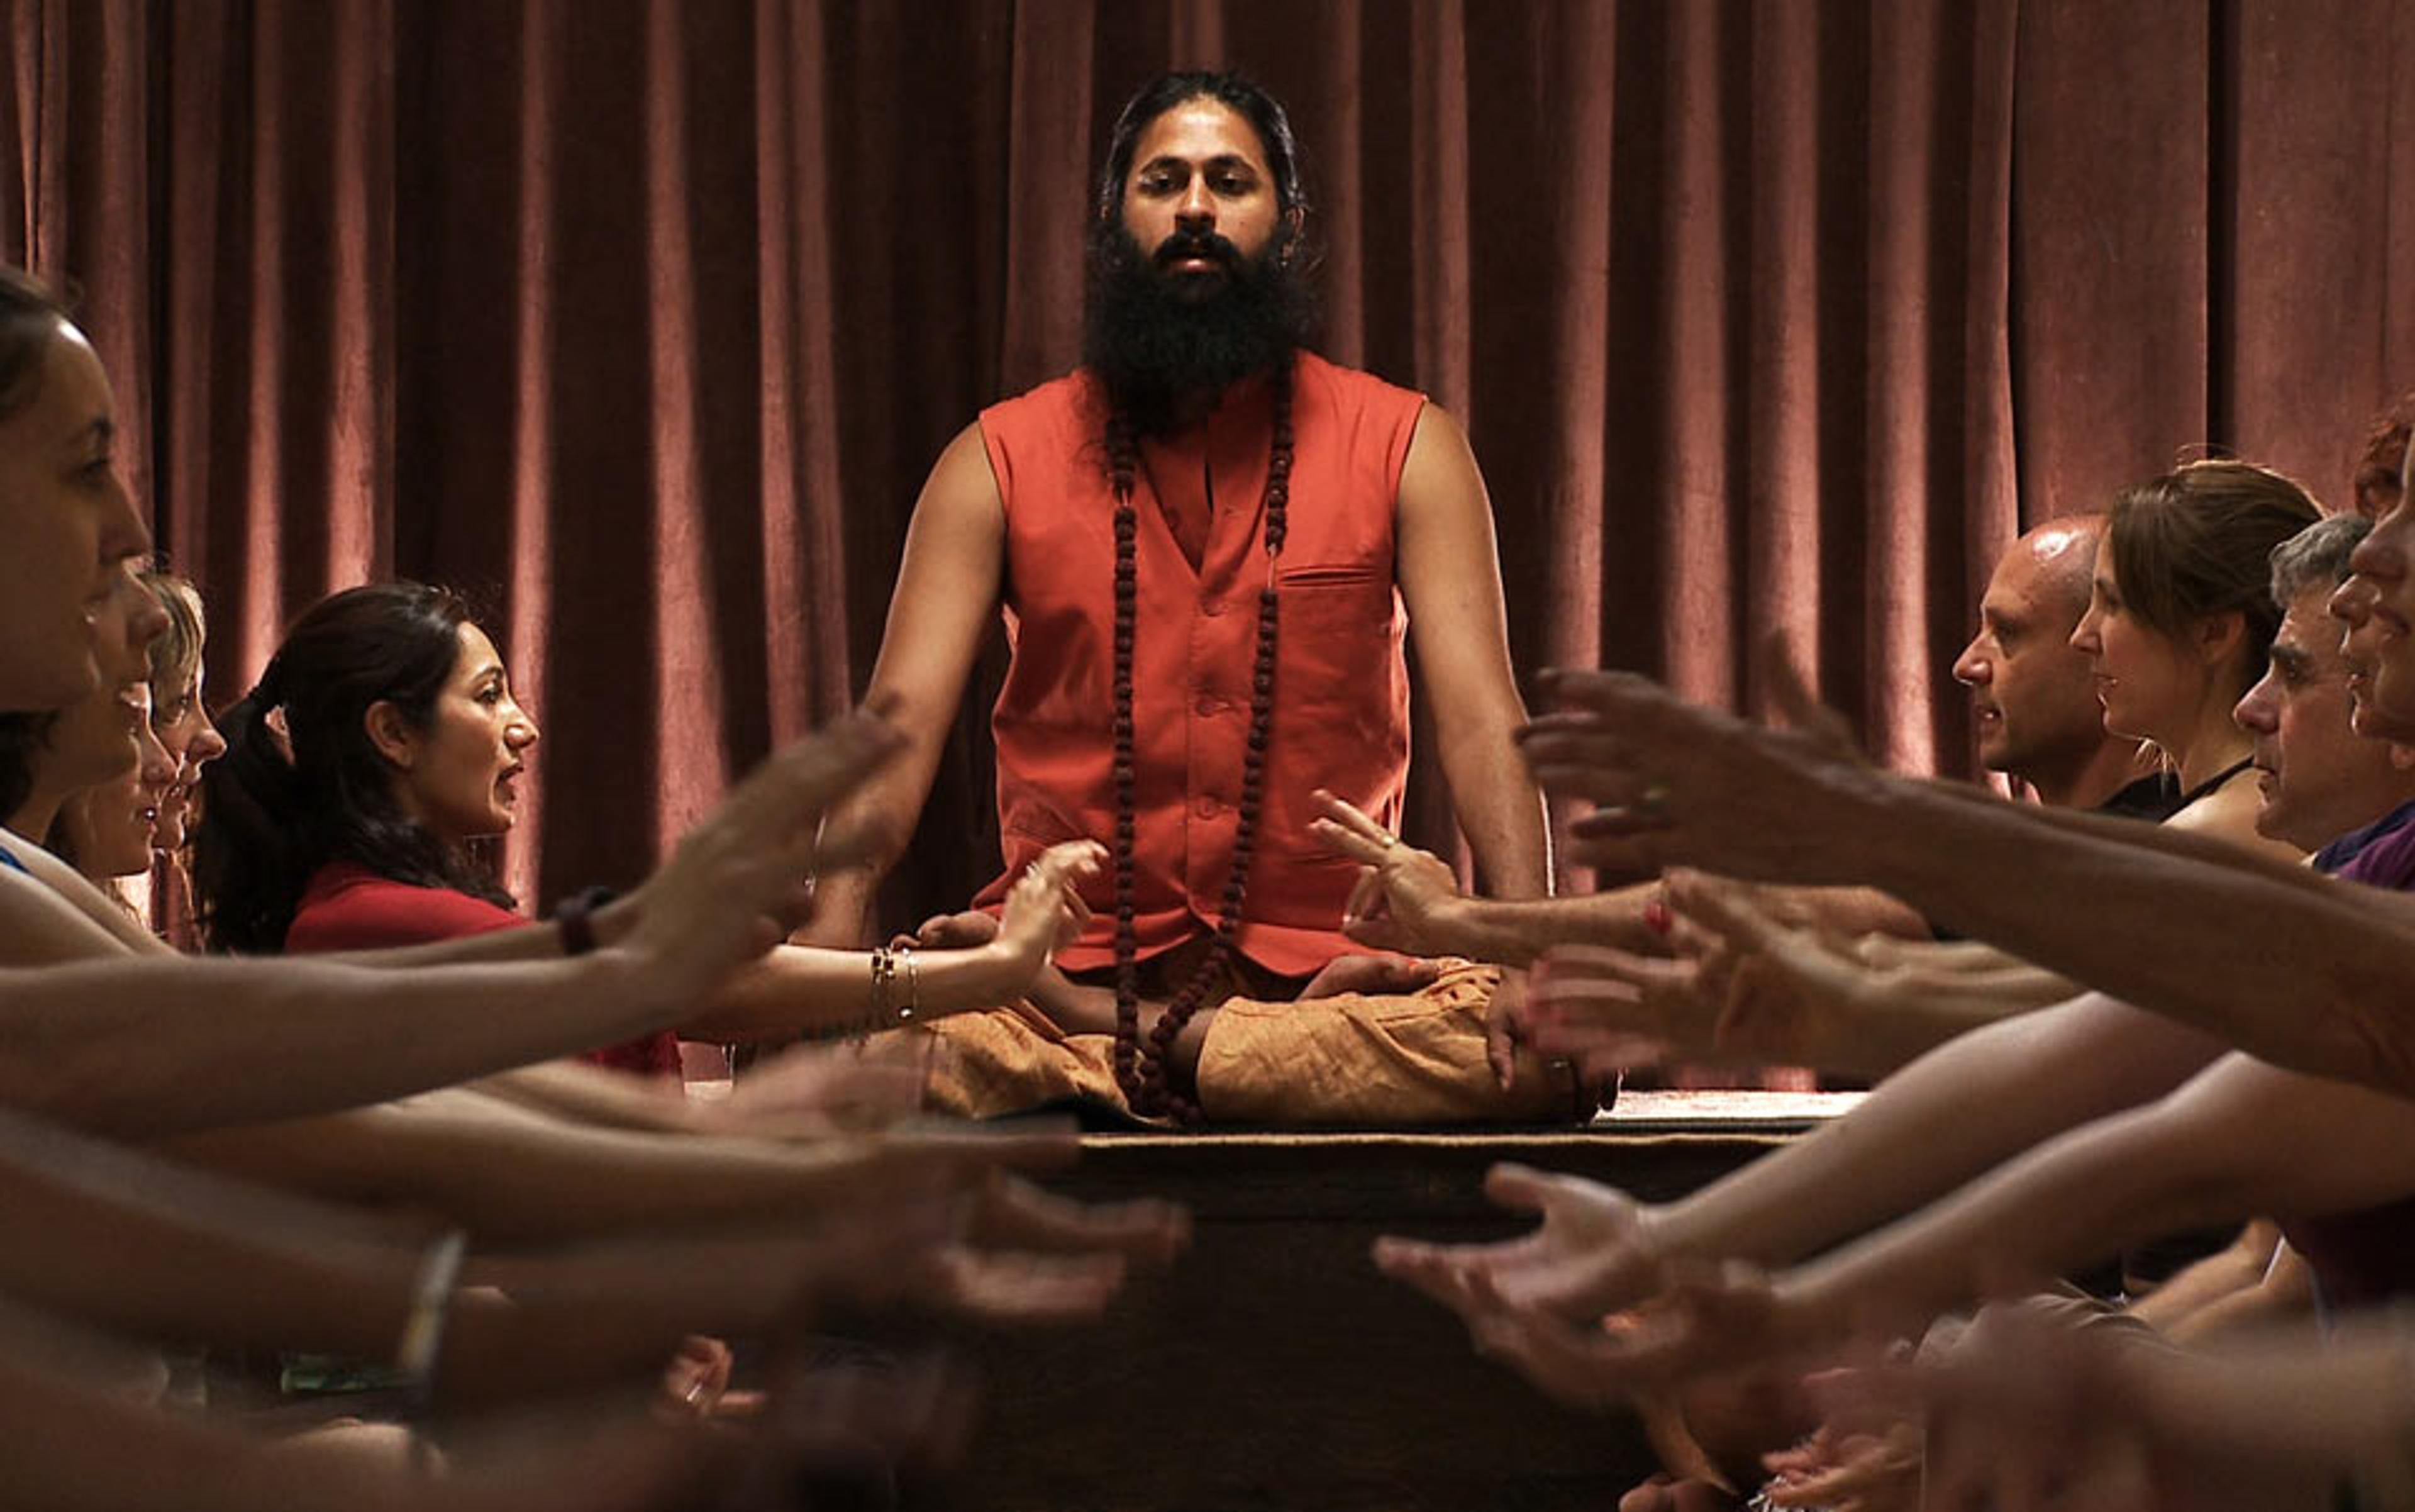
[575,919]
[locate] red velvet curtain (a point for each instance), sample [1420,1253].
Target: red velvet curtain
[644,318]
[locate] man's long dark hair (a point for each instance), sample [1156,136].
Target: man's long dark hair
[280,805]
[1143,341]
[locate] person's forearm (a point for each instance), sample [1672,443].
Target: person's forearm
[1959,1110]
[524,1180]
[2323,1407]
[803,989]
[2240,1138]
[1512,932]
[1906,1015]
[127,1243]
[2177,923]
[149,1047]
[131,1244]
[870,829]
[581,1092]
[2083,1196]
[1500,810]
[844,902]
[77,1444]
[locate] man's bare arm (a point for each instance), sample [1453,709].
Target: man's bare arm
[1949,1116]
[1450,571]
[1954,1112]
[125,1242]
[946,598]
[2177,922]
[147,1045]
[516,1178]
[2240,1138]
[140,1046]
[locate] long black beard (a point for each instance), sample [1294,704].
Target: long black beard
[1152,348]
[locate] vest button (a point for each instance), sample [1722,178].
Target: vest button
[1207,807]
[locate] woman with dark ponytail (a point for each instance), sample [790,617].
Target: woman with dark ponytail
[330,764]
[380,748]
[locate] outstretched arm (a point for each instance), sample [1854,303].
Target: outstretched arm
[1958,1111]
[2178,922]
[516,1178]
[947,594]
[2242,1138]
[77,1446]
[1450,571]
[2026,1408]
[145,1045]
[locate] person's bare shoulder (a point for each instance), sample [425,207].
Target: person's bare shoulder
[2228,814]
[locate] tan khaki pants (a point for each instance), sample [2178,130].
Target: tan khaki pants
[1356,1059]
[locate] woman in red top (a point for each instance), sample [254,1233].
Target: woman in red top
[383,742]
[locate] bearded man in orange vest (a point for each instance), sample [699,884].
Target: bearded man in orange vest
[1208,544]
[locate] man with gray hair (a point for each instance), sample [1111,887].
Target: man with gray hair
[2324,787]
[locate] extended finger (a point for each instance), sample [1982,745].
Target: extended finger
[1350,817]
[1060,863]
[1721,905]
[967,1149]
[1017,1288]
[1597,762]
[1427,1268]
[1016,1213]
[1344,841]
[1592,1037]
[1580,964]
[1635,857]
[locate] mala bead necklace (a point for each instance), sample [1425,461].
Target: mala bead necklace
[1141,1068]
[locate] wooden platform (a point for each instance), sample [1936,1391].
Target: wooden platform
[1274,1367]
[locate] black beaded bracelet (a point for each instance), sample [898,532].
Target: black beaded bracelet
[575,919]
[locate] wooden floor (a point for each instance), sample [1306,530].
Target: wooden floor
[1273,1368]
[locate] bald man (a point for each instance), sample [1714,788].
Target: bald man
[2034,696]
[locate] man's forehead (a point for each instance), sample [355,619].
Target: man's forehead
[2308,629]
[1200,129]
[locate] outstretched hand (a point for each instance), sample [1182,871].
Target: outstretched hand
[1594,1251]
[1676,783]
[1703,1324]
[1792,995]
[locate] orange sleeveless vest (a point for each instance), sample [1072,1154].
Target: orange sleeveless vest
[1341,702]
